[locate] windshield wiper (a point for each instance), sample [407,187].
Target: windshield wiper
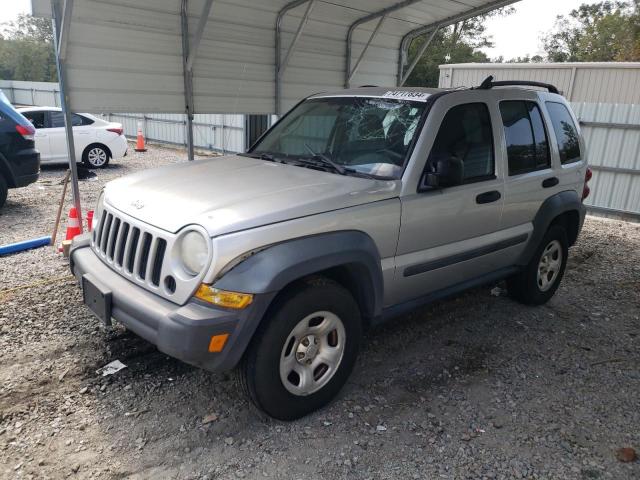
[326,160]
[262,156]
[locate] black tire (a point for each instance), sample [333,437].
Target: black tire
[259,372]
[4,190]
[96,156]
[525,287]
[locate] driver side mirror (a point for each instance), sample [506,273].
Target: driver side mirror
[447,173]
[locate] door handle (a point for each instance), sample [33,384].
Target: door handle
[488,197]
[550,182]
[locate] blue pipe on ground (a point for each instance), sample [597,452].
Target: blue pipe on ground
[26,245]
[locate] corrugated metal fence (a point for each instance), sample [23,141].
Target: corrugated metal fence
[606,99]
[219,133]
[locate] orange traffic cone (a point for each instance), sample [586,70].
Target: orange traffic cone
[73,224]
[90,220]
[140,141]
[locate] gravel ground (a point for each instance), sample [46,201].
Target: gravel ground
[478,386]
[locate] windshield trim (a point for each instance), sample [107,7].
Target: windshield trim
[428,105]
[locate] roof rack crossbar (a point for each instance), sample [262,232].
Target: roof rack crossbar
[488,83]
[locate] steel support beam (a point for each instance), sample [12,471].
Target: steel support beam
[187,76]
[296,38]
[279,65]
[352,72]
[197,38]
[367,18]
[61,22]
[64,32]
[405,75]
[413,34]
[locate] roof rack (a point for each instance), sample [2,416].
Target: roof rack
[488,83]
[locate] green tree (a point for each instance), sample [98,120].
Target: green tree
[601,32]
[459,43]
[26,50]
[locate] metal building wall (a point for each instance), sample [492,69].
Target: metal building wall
[216,132]
[606,99]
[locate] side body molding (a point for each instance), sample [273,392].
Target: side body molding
[551,208]
[270,270]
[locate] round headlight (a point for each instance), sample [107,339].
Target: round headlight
[194,252]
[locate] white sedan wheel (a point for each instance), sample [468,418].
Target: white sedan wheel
[97,157]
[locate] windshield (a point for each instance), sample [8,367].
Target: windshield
[366,135]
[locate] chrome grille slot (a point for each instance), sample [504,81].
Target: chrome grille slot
[131,257]
[121,243]
[157,261]
[144,255]
[104,235]
[113,234]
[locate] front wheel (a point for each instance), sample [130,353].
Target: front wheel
[304,351]
[540,279]
[95,156]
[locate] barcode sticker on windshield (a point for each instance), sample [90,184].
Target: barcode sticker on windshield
[406,95]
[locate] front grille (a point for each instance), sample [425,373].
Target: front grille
[128,248]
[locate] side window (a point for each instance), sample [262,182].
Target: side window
[466,133]
[36,118]
[566,132]
[77,120]
[56,119]
[526,137]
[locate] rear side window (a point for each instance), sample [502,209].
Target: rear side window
[566,132]
[57,120]
[466,133]
[526,137]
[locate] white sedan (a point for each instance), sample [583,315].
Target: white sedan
[96,140]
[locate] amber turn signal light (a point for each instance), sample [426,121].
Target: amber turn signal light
[223,298]
[218,342]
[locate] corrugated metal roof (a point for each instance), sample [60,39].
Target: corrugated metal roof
[126,55]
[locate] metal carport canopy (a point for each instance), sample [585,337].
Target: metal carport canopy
[128,55]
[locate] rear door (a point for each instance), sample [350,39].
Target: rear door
[450,235]
[38,119]
[83,135]
[532,172]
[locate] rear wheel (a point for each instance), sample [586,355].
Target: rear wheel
[540,279]
[4,190]
[304,351]
[95,156]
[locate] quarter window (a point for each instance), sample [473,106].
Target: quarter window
[466,133]
[526,137]
[566,132]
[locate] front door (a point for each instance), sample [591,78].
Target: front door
[38,119]
[451,233]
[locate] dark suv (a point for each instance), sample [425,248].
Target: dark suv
[19,160]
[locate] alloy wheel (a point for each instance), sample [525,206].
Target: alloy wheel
[312,353]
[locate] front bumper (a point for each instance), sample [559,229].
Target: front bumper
[180,331]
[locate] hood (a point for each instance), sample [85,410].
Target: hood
[227,194]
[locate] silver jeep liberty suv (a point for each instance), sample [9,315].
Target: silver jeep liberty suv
[355,207]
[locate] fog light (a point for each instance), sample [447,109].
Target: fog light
[218,342]
[222,298]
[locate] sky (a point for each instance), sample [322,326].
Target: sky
[514,36]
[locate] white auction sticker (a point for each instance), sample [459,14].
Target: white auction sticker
[406,95]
